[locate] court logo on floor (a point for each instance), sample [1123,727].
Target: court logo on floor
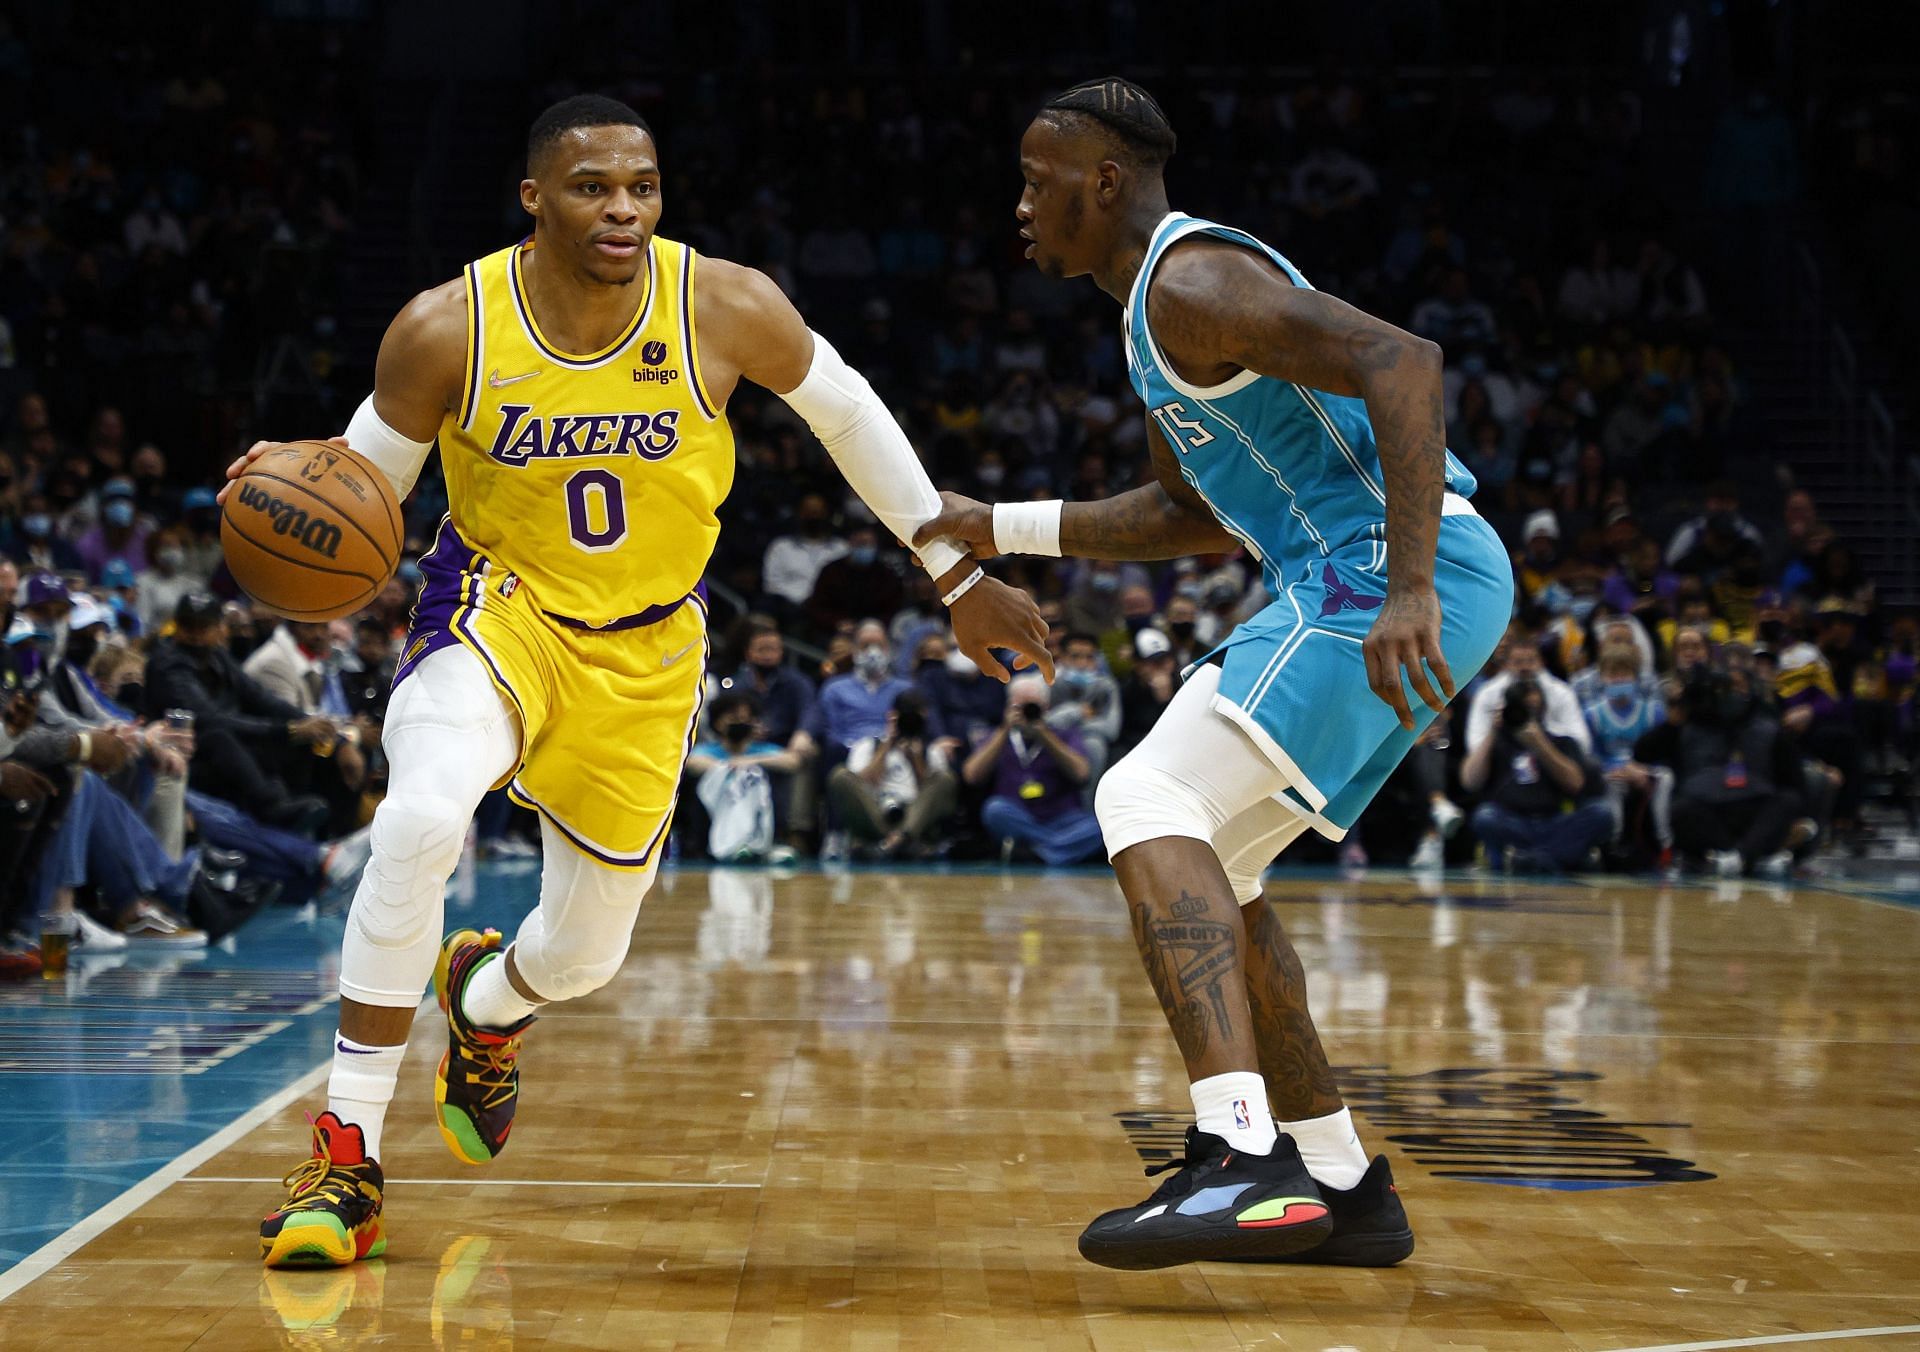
[1516,1126]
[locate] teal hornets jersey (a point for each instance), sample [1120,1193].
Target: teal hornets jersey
[1293,472]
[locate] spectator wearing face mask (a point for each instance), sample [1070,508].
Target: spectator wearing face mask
[119,592]
[1086,699]
[164,580]
[1181,626]
[793,561]
[740,777]
[859,582]
[855,705]
[1622,710]
[1037,774]
[782,692]
[119,535]
[1093,601]
[965,703]
[155,779]
[42,549]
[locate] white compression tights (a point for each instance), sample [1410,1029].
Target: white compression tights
[1197,775]
[448,737]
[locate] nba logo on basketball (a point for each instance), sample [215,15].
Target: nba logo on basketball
[1241,1117]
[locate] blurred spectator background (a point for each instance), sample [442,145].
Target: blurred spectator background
[1666,256]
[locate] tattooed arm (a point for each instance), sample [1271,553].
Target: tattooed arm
[1217,308]
[1166,519]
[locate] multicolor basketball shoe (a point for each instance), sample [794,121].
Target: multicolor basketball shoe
[478,1085]
[1220,1203]
[332,1213]
[1370,1227]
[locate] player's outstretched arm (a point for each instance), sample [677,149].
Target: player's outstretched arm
[417,378]
[1165,519]
[1217,305]
[760,335]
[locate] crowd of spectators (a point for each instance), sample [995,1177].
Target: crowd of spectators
[1697,670]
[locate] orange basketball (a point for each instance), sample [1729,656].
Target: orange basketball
[311,531]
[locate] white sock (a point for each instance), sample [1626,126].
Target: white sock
[490,999]
[361,1086]
[1331,1148]
[1234,1107]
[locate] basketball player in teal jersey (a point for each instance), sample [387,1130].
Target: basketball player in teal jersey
[1291,424]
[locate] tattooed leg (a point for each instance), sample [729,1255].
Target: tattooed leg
[1191,938]
[1300,1083]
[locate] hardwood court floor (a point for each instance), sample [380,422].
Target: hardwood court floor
[873,1111]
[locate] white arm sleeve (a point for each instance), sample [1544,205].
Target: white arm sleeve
[395,456]
[871,451]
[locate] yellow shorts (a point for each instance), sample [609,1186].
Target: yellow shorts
[607,716]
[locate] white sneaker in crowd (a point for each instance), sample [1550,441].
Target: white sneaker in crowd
[152,927]
[347,856]
[1726,863]
[90,936]
[1446,816]
[1429,856]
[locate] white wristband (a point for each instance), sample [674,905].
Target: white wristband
[973,580]
[1028,527]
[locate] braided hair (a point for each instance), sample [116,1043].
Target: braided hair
[1131,118]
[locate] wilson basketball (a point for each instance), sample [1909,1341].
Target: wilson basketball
[311,531]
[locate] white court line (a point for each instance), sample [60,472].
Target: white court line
[499,1182]
[1775,1339]
[54,1251]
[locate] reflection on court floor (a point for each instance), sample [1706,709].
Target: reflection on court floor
[853,1109]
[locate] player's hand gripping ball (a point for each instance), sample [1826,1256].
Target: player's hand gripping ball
[311,530]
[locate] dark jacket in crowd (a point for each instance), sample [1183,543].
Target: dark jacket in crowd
[1520,784]
[969,708]
[222,698]
[367,690]
[1747,756]
[786,697]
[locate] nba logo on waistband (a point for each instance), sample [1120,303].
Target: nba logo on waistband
[1241,1117]
[510,584]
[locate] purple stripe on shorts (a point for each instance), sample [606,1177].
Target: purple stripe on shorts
[442,569]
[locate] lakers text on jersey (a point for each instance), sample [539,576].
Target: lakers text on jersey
[583,494]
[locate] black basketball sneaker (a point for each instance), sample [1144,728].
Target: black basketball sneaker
[1220,1203]
[1370,1227]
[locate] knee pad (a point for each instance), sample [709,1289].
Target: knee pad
[1137,802]
[575,940]
[416,843]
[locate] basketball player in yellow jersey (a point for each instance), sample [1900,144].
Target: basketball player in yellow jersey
[575,384]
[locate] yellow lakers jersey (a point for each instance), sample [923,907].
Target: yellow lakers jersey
[595,478]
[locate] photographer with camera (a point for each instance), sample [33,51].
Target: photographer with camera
[1037,771]
[1520,660]
[896,792]
[1544,807]
[1738,773]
